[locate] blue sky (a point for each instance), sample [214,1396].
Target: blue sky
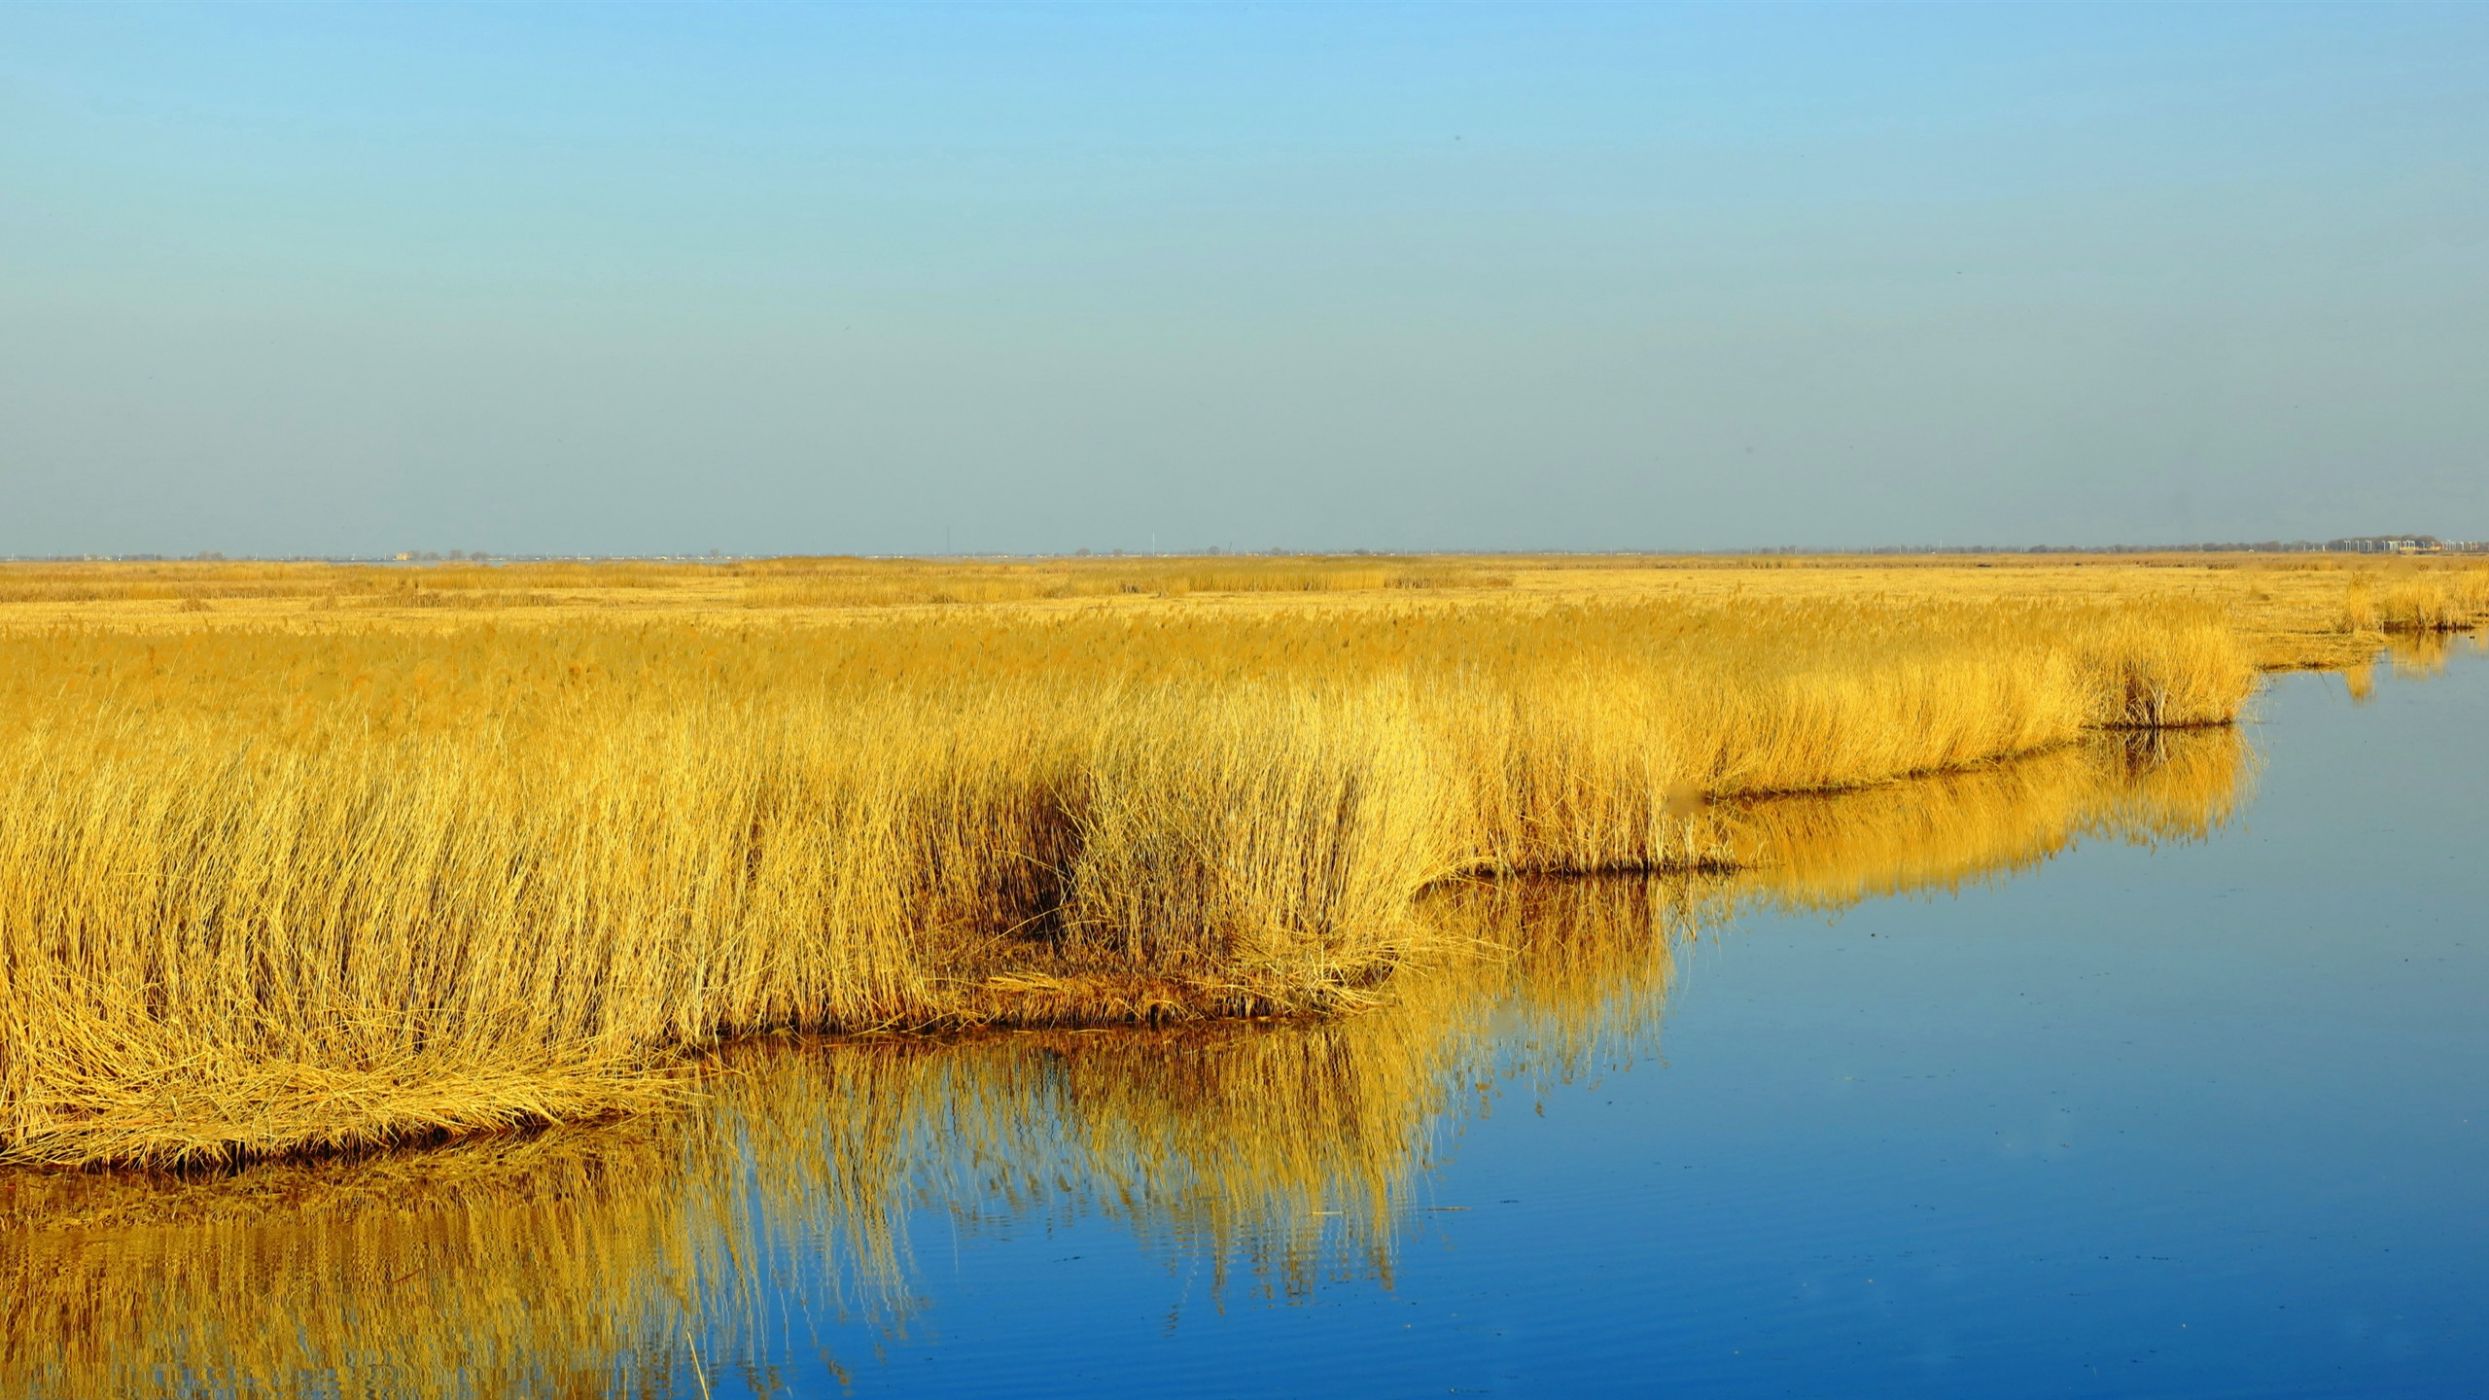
[286,279]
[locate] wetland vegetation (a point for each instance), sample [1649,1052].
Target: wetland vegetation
[298,860]
[605,1257]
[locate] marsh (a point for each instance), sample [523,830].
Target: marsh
[2137,1068]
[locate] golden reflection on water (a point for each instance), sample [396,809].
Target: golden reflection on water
[637,1256]
[2419,655]
[2415,656]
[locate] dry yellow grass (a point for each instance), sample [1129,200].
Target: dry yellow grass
[592,1259]
[2293,609]
[282,876]
[282,591]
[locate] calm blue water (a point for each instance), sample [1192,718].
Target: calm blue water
[2202,1119]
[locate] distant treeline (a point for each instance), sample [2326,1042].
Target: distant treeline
[2354,544]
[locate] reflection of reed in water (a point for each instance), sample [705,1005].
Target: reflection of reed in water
[2419,655]
[635,1256]
[641,1255]
[542,1266]
[1940,832]
[2412,656]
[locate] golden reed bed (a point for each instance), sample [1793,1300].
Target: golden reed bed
[601,1258]
[297,858]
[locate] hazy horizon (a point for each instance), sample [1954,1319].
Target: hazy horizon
[563,280]
[452,555]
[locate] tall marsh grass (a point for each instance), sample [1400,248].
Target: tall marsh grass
[266,891]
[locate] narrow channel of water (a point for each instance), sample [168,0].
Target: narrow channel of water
[2140,1068]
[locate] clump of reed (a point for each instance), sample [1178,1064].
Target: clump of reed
[272,891]
[2167,673]
[1257,834]
[2359,605]
[2438,603]
[2417,601]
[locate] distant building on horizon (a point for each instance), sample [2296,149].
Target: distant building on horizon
[2388,544]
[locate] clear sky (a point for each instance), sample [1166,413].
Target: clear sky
[567,278]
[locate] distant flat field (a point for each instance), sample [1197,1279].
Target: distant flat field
[2294,610]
